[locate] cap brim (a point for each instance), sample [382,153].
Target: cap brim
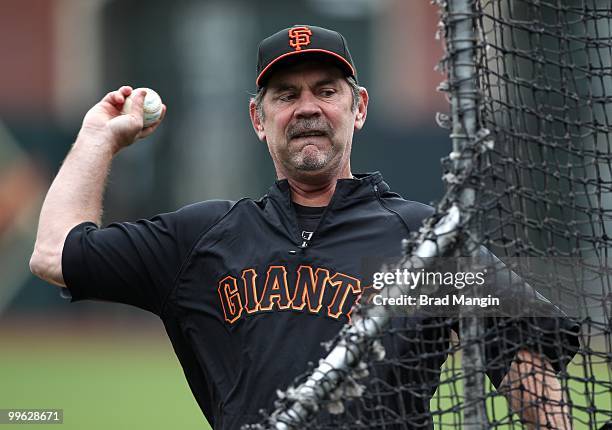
[337,57]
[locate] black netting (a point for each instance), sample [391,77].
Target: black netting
[532,179]
[545,79]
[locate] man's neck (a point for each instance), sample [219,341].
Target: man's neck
[315,190]
[312,195]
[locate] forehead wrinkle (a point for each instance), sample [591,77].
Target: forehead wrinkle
[285,86]
[282,86]
[322,71]
[326,81]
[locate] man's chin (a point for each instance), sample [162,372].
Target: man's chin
[313,172]
[311,158]
[310,164]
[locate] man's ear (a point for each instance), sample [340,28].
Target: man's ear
[256,121]
[362,108]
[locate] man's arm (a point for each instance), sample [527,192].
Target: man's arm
[535,393]
[75,196]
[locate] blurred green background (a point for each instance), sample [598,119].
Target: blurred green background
[101,378]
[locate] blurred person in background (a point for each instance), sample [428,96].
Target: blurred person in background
[249,290]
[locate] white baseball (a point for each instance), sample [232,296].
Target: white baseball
[152,108]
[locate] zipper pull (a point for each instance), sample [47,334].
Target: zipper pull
[306,236]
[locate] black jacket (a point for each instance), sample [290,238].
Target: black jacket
[246,306]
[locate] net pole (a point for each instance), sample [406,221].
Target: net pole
[464,98]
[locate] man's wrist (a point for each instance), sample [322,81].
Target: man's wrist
[97,139]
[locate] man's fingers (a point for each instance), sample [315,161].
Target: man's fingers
[108,97]
[137,103]
[117,98]
[150,129]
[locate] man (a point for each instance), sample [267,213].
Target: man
[248,290]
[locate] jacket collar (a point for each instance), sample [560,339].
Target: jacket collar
[361,186]
[281,213]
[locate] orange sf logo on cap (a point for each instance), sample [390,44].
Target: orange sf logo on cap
[299,36]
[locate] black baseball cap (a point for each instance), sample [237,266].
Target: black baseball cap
[302,40]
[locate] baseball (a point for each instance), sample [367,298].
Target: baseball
[152,108]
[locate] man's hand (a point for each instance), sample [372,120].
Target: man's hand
[76,193]
[121,129]
[535,393]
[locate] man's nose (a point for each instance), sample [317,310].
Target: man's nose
[307,106]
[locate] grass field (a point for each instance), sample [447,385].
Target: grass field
[128,381]
[133,381]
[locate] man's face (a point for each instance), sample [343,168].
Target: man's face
[308,120]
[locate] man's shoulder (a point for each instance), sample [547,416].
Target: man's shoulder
[192,219]
[206,208]
[208,213]
[413,213]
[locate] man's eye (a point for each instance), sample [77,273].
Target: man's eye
[328,92]
[286,97]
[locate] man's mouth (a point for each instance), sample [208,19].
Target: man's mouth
[309,133]
[313,127]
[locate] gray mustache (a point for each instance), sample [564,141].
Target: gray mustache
[309,126]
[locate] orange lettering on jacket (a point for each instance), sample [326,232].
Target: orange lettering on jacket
[344,285]
[275,290]
[230,299]
[307,290]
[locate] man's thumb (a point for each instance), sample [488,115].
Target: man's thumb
[138,102]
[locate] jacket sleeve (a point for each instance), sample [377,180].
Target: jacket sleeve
[525,320]
[135,263]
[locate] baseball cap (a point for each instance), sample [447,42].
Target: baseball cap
[302,40]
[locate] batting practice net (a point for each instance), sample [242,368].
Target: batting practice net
[529,205]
